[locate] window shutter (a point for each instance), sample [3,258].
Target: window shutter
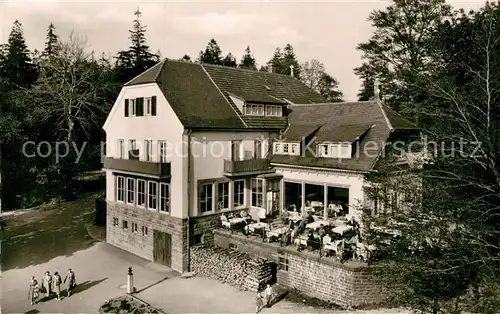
[139,103]
[126,107]
[153,106]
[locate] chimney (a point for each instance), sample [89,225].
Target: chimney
[270,68]
[376,89]
[291,71]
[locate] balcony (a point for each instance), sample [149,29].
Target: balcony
[157,169]
[247,167]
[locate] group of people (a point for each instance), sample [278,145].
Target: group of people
[266,296]
[51,284]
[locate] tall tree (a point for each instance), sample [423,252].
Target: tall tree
[17,67]
[400,51]
[248,61]
[51,43]
[314,76]
[138,57]
[212,53]
[186,58]
[229,61]
[282,61]
[448,252]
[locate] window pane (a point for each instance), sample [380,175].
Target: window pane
[141,193]
[223,197]
[239,193]
[152,195]
[130,190]
[206,200]
[165,197]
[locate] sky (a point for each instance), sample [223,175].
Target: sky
[324,30]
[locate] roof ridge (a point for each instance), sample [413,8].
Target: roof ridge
[247,70]
[146,71]
[389,124]
[162,66]
[336,103]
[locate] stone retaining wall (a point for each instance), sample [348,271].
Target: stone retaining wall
[348,285]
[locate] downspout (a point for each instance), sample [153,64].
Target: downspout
[189,200]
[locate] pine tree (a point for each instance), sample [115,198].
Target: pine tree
[51,43]
[329,88]
[289,59]
[229,61]
[138,57]
[17,66]
[212,53]
[248,61]
[186,58]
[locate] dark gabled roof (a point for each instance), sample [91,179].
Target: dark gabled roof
[348,121]
[194,98]
[199,93]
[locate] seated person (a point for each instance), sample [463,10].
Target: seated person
[327,238]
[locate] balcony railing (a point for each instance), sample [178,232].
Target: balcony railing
[138,166]
[248,166]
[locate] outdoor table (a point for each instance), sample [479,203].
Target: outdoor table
[333,246]
[277,232]
[315,225]
[294,216]
[237,220]
[256,226]
[342,229]
[301,240]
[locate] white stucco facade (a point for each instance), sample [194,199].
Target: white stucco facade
[164,126]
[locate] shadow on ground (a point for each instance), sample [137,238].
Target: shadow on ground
[47,232]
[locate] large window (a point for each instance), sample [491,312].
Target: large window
[152,195]
[239,193]
[164,197]
[130,190]
[254,110]
[283,148]
[206,198]
[120,189]
[257,192]
[223,195]
[141,193]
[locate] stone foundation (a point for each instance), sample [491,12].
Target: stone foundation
[142,245]
[205,225]
[348,285]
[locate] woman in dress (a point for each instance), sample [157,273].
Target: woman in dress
[57,285]
[70,282]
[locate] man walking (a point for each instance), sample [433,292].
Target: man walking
[33,292]
[47,284]
[71,282]
[268,294]
[57,285]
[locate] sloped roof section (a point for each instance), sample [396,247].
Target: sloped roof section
[194,97]
[341,122]
[148,76]
[397,121]
[263,87]
[297,131]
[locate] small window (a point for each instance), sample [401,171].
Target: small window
[294,148]
[115,221]
[282,263]
[223,195]
[144,230]
[121,149]
[148,147]
[134,227]
[198,239]
[125,224]
[132,107]
[285,148]
[162,150]
[233,247]
[149,105]
[277,148]
[323,150]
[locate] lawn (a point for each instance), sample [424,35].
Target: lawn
[45,232]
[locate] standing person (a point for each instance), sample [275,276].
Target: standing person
[268,294]
[70,277]
[57,285]
[47,283]
[259,302]
[33,292]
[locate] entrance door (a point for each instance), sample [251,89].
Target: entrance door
[162,248]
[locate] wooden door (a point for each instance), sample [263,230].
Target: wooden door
[162,248]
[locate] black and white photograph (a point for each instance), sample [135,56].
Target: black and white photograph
[265,156]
